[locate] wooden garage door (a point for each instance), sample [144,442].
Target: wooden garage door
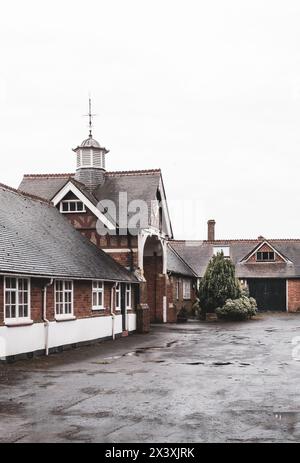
[270,294]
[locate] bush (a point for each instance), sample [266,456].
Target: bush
[238,309]
[244,290]
[218,284]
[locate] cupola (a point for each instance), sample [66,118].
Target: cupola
[90,160]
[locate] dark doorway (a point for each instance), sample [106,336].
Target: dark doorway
[270,294]
[123,305]
[153,268]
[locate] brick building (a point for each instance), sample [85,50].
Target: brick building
[269,267]
[103,206]
[56,287]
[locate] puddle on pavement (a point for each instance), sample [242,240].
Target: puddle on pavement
[139,351]
[218,364]
[194,363]
[221,364]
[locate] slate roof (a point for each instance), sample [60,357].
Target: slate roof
[139,185]
[198,253]
[176,264]
[45,186]
[35,239]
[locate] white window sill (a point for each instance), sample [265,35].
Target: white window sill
[64,318]
[19,322]
[95,309]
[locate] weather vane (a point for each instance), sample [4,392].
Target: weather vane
[90,116]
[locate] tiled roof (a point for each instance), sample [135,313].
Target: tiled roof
[35,239]
[198,253]
[176,264]
[139,185]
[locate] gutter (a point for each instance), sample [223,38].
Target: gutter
[46,321]
[64,277]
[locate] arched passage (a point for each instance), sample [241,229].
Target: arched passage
[154,268]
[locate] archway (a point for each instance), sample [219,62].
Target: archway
[154,269]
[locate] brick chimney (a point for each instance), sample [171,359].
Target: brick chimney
[211,230]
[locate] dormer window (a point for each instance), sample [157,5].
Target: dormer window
[71,206]
[267,256]
[222,249]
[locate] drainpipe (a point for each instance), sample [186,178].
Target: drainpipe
[46,321]
[112,310]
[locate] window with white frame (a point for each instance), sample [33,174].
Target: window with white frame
[186,289]
[69,206]
[128,296]
[118,296]
[63,298]
[222,249]
[17,298]
[98,295]
[177,289]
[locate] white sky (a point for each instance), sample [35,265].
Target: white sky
[207,90]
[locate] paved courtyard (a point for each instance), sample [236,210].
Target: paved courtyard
[198,382]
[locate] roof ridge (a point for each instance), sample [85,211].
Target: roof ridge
[133,172]
[241,240]
[251,240]
[23,193]
[48,175]
[109,173]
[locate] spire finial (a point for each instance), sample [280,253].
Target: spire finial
[90,116]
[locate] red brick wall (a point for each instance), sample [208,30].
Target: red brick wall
[180,302]
[294,295]
[156,288]
[82,300]
[127,259]
[86,224]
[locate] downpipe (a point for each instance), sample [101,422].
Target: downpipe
[45,320]
[112,311]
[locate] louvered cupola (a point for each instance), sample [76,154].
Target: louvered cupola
[90,169]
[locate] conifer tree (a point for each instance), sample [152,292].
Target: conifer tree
[218,284]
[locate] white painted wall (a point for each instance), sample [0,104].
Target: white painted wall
[131,321]
[23,339]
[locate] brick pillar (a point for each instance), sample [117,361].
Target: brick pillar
[143,318]
[143,293]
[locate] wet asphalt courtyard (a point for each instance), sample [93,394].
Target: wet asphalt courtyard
[199,382]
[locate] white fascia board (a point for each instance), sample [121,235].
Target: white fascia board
[273,249]
[165,208]
[71,187]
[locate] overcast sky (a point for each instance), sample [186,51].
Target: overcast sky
[209,91]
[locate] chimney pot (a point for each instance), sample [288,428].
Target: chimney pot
[211,230]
